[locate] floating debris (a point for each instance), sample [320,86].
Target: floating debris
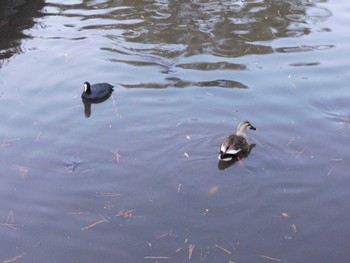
[78,213]
[107,194]
[128,214]
[13,259]
[38,136]
[170,234]
[108,206]
[116,155]
[156,257]
[13,116]
[95,224]
[330,171]
[179,188]
[223,249]
[10,221]
[271,258]
[7,142]
[74,163]
[213,190]
[337,159]
[190,250]
[285,215]
[22,170]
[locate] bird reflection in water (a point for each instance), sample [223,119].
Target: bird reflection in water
[87,105]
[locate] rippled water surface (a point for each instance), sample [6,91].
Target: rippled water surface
[139,180]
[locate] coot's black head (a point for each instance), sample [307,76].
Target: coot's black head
[87,87]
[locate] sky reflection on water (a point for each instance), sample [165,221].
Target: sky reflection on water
[139,179]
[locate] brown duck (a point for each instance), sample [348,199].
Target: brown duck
[236,145]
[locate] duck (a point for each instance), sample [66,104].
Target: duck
[236,145]
[96,92]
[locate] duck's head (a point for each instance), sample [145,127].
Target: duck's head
[243,127]
[87,87]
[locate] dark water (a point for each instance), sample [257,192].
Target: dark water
[139,180]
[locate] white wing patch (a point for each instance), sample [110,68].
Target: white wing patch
[223,148]
[233,151]
[224,159]
[229,151]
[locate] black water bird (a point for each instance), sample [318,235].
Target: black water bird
[96,92]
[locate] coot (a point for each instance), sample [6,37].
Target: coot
[96,92]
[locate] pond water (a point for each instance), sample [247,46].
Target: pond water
[139,179]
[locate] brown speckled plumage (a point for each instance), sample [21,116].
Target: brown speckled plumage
[236,145]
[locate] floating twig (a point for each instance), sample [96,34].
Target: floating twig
[271,258]
[96,223]
[337,159]
[9,221]
[165,235]
[179,188]
[87,170]
[107,194]
[156,257]
[13,226]
[13,259]
[13,116]
[223,249]
[247,49]
[190,250]
[10,217]
[38,136]
[245,38]
[78,213]
[330,171]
